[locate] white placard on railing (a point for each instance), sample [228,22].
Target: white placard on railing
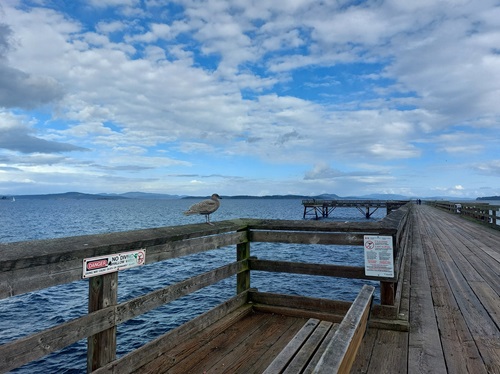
[110,263]
[379,256]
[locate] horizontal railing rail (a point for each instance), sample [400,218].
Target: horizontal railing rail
[36,265]
[479,212]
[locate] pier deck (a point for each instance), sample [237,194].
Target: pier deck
[452,289]
[454,302]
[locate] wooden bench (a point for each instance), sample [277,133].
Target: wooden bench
[324,347]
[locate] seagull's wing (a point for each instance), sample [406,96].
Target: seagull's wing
[203,207]
[208,206]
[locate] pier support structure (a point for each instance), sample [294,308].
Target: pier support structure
[323,208]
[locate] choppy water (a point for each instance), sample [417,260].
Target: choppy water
[43,219]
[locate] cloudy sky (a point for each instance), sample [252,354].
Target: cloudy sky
[250,97]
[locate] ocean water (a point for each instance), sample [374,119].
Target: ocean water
[30,219]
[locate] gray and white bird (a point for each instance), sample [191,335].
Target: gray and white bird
[205,207]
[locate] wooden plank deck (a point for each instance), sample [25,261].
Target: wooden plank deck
[453,288]
[454,302]
[248,345]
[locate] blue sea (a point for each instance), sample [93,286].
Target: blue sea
[33,219]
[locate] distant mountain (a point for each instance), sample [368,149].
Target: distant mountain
[327,196]
[144,195]
[69,195]
[100,196]
[242,197]
[158,196]
[447,198]
[387,196]
[324,197]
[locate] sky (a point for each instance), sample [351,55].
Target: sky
[252,97]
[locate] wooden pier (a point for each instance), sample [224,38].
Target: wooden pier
[440,313]
[318,208]
[453,296]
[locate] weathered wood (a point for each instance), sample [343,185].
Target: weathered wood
[214,339]
[255,344]
[176,249]
[243,278]
[425,353]
[60,260]
[342,349]
[136,359]
[387,293]
[387,226]
[47,268]
[313,349]
[307,237]
[20,254]
[329,270]
[481,213]
[147,302]
[364,357]
[103,293]
[320,350]
[304,358]
[461,352]
[288,353]
[299,302]
[20,352]
[33,347]
[389,354]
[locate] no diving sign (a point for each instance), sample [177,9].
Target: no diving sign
[379,256]
[110,263]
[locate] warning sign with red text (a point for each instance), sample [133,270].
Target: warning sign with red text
[110,263]
[379,256]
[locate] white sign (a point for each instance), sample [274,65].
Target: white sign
[110,263]
[379,256]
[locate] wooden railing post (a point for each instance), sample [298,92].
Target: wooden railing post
[387,289]
[387,293]
[101,347]
[243,278]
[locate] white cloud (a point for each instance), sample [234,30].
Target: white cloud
[113,3]
[105,27]
[491,167]
[283,83]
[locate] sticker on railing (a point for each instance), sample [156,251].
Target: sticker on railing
[379,256]
[110,263]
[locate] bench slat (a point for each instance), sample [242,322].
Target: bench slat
[314,361]
[343,347]
[286,355]
[303,356]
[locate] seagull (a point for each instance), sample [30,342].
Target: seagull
[205,207]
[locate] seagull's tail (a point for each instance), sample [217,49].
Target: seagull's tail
[189,213]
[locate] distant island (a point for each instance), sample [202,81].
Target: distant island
[154,196]
[159,196]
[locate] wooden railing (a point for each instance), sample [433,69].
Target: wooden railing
[36,265]
[479,212]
